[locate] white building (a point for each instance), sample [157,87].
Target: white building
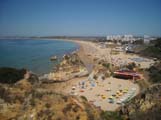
[125,38]
[147,39]
[128,38]
[114,37]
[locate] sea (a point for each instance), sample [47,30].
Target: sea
[33,55]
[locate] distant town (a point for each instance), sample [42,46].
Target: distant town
[113,38]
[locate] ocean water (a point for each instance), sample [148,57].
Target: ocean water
[33,55]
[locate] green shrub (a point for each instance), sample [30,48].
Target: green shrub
[155,74]
[107,74]
[90,113]
[75,108]
[95,77]
[154,50]
[131,66]
[107,115]
[67,108]
[84,98]
[65,98]
[47,105]
[11,75]
[107,65]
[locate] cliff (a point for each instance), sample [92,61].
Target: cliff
[145,106]
[26,99]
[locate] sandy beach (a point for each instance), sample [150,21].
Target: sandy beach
[89,51]
[99,92]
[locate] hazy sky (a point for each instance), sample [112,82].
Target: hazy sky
[80,17]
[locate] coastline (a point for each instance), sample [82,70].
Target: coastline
[82,46]
[34,55]
[96,89]
[88,52]
[91,53]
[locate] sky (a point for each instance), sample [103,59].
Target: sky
[80,17]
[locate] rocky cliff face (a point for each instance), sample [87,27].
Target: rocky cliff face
[145,106]
[28,100]
[70,67]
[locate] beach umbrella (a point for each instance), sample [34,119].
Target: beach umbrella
[117,96]
[119,102]
[120,90]
[92,84]
[126,89]
[73,88]
[111,100]
[111,97]
[103,96]
[108,89]
[120,94]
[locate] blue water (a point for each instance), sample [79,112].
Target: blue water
[33,55]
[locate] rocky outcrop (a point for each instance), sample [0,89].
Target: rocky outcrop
[145,106]
[33,78]
[70,67]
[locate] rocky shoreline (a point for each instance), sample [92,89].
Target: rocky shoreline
[70,67]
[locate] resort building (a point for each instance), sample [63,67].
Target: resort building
[147,39]
[128,38]
[114,37]
[123,38]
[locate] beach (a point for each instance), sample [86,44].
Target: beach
[99,92]
[89,51]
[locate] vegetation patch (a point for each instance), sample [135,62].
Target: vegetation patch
[84,98]
[11,75]
[153,50]
[107,115]
[155,74]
